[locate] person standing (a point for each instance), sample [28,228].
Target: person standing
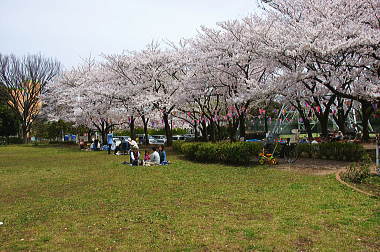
[109,142]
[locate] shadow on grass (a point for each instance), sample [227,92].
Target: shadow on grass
[251,164]
[73,148]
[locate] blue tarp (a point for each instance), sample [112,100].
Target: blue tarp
[253,140]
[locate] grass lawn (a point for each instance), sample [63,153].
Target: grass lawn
[57,199]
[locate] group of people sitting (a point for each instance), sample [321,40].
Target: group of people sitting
[130,147]
[154,158]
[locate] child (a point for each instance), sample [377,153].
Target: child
[146,156]
[154,158]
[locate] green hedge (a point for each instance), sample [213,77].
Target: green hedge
[177,146]
[239,153]
[244,152]
[332,151]
[11,140]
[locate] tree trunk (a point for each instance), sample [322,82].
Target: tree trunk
[219,131]
[306,121]
[323,116]
[366,114]
[104,136]
[231,132]
[242,125]
[323,121]
[24,132]
[340,120]
[104,132]
[168,131]
[145,122]
[204,131]
[265,122]
[232,129]
[195,131]
[341,116]
[132,128]
[213,131]
[89,136]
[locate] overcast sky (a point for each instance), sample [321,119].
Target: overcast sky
[71,29]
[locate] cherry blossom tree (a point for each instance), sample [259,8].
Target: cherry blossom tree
[336,44]
[75,97]
[319,56]
[158,75]
[235,69]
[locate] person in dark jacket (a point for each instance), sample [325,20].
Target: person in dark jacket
[162,152]
[134,156]
[96,143]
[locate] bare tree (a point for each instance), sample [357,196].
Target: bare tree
[23,80]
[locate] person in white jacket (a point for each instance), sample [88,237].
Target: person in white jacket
[154,158]
[132,143]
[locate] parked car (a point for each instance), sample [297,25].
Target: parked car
[152,140]
[159,139]
[178,137]
[189,136]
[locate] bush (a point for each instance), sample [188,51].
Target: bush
[177,146]
[207,152]
[239,153]
[333,151]
[189,150]
[11,140]
[358,172]
[243,152]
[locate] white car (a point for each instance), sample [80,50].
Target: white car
[178,137]
[152,140]
[158,139]
[189,136]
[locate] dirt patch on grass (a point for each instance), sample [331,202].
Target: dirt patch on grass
[303,244]
[313,166]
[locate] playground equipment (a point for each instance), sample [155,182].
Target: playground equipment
[289,115]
